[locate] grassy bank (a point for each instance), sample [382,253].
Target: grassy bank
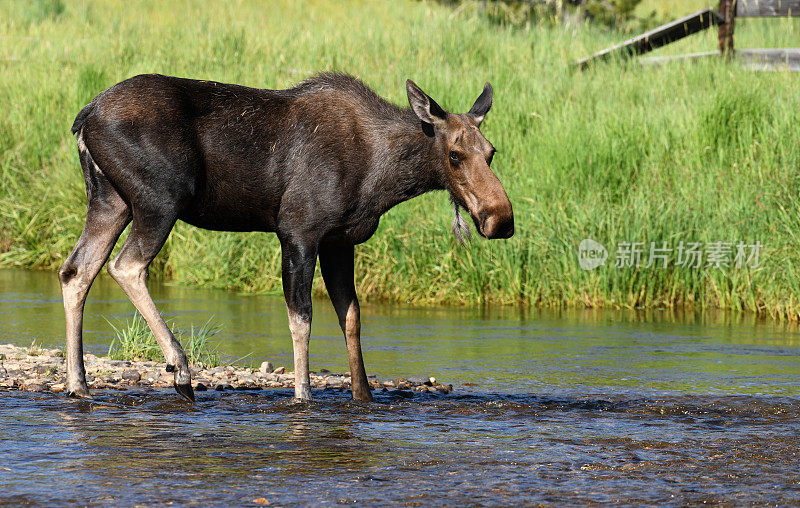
[696,153]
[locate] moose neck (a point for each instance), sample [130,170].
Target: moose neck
[407,163]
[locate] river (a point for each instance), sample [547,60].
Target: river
[553,407]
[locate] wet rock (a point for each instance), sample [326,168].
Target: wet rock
[131,376]
[279,370]
[266,368]
[200,387]
[35,386]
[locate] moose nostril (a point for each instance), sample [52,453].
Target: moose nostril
[508,229]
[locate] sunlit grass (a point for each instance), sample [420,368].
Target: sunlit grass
[133,341]
[695,152]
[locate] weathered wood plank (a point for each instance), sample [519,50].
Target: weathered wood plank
[658,37]
[660,60]
[767,8]
[773,59]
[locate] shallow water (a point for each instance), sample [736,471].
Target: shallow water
[571,407]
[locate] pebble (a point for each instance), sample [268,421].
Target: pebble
[46,372]
[132,376]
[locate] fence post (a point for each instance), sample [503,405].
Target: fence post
[727,8]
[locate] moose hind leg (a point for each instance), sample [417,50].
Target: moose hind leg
[105,220]
[129,269]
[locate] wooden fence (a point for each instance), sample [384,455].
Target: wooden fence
[725,19]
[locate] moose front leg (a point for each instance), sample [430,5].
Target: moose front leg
[336,264]
[298,274]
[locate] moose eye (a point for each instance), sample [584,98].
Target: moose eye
[454,157]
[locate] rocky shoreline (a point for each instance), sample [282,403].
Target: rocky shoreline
[38,369]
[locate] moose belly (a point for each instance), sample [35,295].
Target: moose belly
[230,215]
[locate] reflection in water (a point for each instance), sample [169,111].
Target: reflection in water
[500,349]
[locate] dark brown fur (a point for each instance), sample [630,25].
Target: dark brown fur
[317,164]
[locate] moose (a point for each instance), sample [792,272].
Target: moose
[317,164]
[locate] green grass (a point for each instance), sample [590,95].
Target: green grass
[698,152]
[134,341]
[34,349]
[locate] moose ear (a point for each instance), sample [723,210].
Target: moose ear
[483,104]
[423,106]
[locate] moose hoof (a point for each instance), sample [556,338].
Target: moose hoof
[79,393]
[362,395]
[185,391]
[302,393]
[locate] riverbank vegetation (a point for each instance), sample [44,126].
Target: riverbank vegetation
[700,152]
[133,341]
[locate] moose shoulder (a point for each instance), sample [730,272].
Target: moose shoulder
[317,164]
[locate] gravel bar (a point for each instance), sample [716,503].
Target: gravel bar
[38,369]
